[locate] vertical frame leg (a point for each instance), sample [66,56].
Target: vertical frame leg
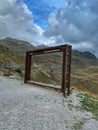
[69,69]
[63,72]
[27,67]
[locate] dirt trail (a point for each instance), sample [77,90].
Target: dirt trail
[25,107]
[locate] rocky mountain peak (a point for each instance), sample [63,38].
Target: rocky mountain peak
[85,54]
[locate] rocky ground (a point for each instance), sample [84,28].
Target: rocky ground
[26,107]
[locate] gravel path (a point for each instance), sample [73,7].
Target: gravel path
[26,107]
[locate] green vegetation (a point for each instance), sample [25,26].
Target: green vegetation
[18,70]
[90,104]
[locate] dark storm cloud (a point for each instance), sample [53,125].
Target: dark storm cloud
[76,22]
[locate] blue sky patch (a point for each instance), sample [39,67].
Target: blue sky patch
[41,10]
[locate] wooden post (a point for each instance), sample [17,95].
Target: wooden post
[63,71]
[69,68]
[28,67]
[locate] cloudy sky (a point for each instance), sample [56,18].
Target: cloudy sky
[52,22]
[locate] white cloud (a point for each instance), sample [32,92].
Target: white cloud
[53,41]
[76,22]
[16,20]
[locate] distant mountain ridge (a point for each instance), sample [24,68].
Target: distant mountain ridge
[85,54]
[18,46]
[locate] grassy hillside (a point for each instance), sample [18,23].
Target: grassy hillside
[7,56]
[86,79]
[47,69]
[10,61]
[84,72]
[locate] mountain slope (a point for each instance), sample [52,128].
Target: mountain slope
[10,62]
[7,56]
[85,54]
[18,46]
[84,71]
